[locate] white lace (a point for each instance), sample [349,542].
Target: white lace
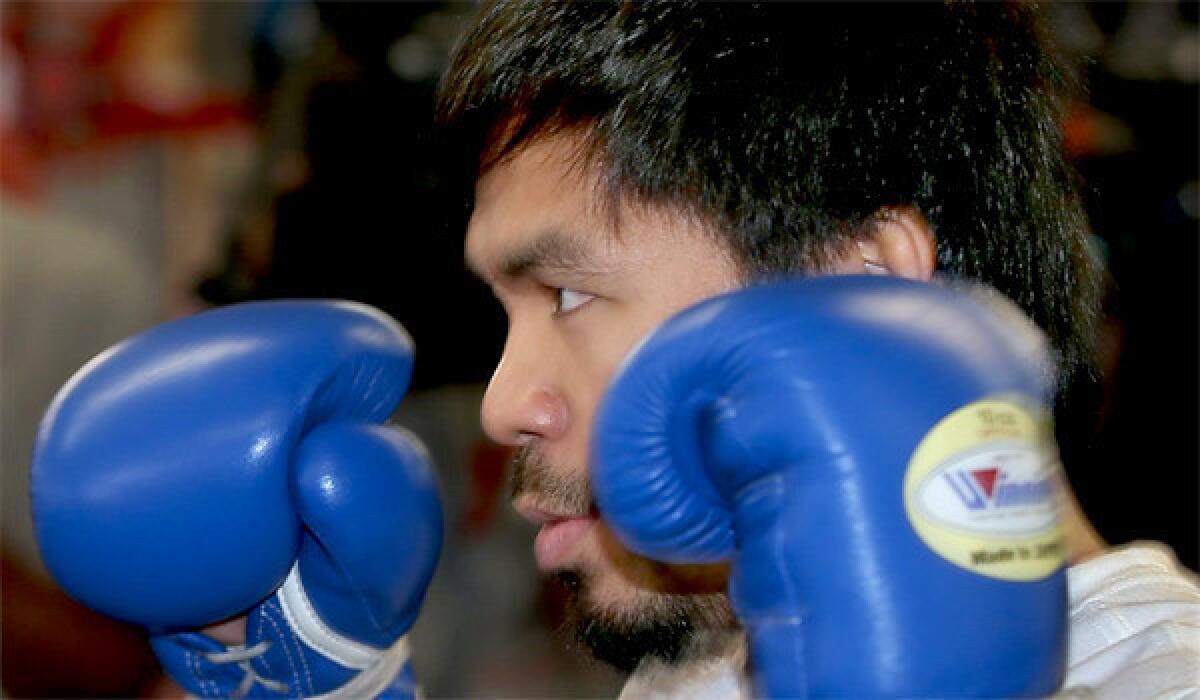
[242,655]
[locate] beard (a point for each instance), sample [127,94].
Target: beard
[650,623]
[667,628]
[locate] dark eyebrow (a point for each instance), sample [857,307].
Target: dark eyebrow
[550,250]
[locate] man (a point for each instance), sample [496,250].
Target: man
[629,160]
[632,159]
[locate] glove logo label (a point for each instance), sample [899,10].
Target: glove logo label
[1001,489]
[981,490]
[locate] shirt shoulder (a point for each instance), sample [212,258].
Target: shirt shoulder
[1134,626]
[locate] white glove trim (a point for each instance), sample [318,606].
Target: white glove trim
[312,630]
[373,681]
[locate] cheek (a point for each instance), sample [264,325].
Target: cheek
[597,349]
[616,571]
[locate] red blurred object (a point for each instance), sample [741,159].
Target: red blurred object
[55,647]
[1088,133]
[488,463]
[87,74]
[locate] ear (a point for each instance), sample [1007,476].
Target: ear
[899,241]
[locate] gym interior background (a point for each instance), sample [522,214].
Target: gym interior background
[159,158]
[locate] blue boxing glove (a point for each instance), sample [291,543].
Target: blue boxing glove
[236,462]
[873,456]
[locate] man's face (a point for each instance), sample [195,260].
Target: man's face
[579,293]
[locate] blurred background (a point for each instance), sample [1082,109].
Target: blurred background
[159,158]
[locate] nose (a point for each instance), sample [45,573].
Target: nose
[523,400]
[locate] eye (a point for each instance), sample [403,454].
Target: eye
[569,300]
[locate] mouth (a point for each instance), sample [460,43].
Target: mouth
[558,536]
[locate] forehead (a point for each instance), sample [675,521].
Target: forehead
[545,187]
[545,214]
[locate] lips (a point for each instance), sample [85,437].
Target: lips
[558,536]
[556,540]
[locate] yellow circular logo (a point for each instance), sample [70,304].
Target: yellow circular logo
[982,490]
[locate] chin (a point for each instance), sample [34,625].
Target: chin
[622,622]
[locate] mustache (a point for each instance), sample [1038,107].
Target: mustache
[549,486]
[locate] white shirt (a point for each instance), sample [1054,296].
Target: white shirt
[1134,633]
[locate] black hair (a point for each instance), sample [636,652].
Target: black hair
[788,127]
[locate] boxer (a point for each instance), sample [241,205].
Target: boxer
[628,160]
[631,160]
